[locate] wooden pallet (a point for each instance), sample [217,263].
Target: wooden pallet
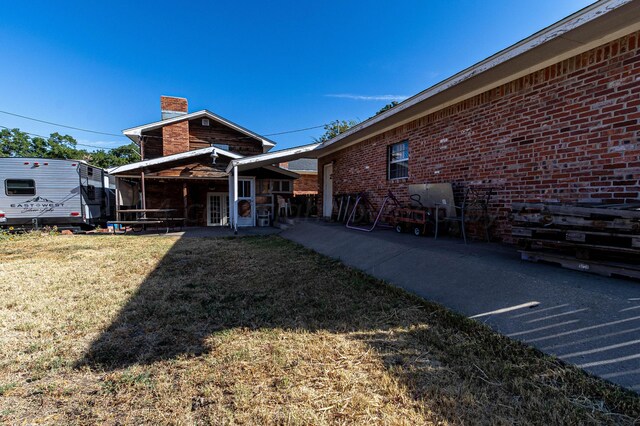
[579,237]
[618,218]
[608,269]
[602,232]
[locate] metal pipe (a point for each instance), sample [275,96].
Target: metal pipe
[353,212]
[235,199]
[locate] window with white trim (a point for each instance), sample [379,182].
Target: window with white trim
[398,160]
[244,188]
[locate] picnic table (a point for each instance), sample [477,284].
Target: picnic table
[164,219]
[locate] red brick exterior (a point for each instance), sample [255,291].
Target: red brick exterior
[169,103]
[569,132]
[175,138]
[307,184]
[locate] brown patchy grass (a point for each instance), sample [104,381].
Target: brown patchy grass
[157,330]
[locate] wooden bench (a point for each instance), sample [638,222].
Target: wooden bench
[135,223]
[159,218]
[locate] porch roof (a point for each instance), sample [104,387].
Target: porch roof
[172,158]
[267,169]
[270,158]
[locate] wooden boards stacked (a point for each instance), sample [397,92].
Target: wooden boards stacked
[604,239]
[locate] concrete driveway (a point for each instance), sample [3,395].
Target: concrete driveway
[587,320]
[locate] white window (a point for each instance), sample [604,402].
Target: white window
[398,160]
[244,189]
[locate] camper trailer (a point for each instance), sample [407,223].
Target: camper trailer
[68,194]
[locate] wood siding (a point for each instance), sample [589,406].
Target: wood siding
[215,133]
[189,136]
[152,144]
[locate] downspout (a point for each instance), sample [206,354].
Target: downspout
[235,199]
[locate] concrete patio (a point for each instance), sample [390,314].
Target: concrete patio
[587,320]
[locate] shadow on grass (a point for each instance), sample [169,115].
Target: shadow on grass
[207,286]
[204,286]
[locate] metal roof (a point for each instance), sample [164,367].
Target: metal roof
[303,165]
[171,158]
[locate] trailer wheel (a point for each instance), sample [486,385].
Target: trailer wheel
[417,231]
[399,228]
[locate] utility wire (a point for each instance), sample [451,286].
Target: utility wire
[61,125]
[295,131]
[122,136]
[46,137]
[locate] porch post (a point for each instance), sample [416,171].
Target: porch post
[117,197]
[144,192]
[235,199]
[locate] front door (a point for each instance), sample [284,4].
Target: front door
[217,209]
[327,191]
[246,202]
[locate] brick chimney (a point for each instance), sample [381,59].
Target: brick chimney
[175,136]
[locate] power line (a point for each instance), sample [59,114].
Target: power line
[122,136]
[46,137]
[61,125]
[268,134]
[295,131]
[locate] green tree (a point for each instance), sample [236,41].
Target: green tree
[63,146]
[119,156]
[387,106]
[334,128]
[15,143]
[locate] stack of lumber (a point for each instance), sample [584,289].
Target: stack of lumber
[598,238]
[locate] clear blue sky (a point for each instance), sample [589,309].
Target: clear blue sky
[270,66]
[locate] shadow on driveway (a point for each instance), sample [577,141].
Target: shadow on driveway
[586,320]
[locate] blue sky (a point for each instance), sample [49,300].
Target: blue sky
[270,66]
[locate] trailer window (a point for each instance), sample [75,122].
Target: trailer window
[20,187]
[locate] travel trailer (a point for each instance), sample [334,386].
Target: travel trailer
[68,194]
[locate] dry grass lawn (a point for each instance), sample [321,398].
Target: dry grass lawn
[160,330]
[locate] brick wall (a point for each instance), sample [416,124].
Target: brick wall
[169,103]
[307,184]
[569,132]
[175,138]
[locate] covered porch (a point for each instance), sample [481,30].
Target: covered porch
[195,188]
